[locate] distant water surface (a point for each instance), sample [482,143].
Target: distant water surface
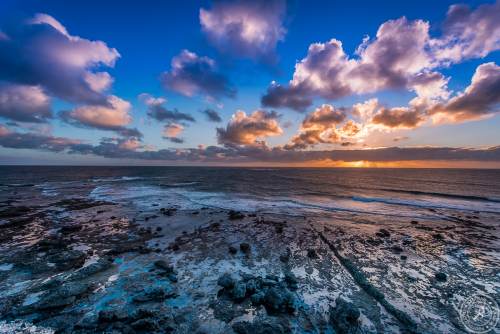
[401,192]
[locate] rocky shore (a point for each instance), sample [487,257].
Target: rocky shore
[79,265]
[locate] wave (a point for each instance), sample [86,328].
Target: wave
[178,184]
[445,195]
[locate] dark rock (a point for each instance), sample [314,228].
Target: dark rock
[311,253]
[397,249]
[239,291]
[70,229]
[112,315]
[344,317]
[441,277]
[414,222]
[146,324]
[291,280]
[164,266]
[383,233]
[226,281]
[245,247]
[403,257]
[158,229]
[235,215]
[279,300]
[155,294]
[257,298]
[92,269]
[252,286]
[438,236]
[279,229]
[233,250]
[265,327]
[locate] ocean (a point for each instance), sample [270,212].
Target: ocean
[239,250]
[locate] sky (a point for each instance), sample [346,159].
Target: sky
[257,83]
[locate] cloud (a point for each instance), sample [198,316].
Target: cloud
[245,129]
[481,98]
[114,115]
[172,130]
[401,118]
[249,29]
[41,52]
[24,103]
[120,149]
[191,75]
[19,140]
[402,56]
[157,111]
[325,125]
[212,115]
[469,33]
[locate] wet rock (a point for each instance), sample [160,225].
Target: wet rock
[403,257]
[66,229]
[69,259]
[383,233]
[155,294]
[112,315]
[438,236]
[233,250]
[344,317]
[74,204]
[441,277]
[397,249]
[265,327]
[147,324]
[238,292]
[92,269]
[226,281]
[53,301]
[88,321]
[168,211]
[164,266]
[14,211]
[235,215]
[245,247]
[311,253]
[279,300]
[291,280]
[257,298]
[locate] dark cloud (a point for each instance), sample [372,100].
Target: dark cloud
[399,118]
[40,52]
[24,103]
[113,148]
[191,75]
[245,28]
[212,115]
[245,129]
[480,98]
[175,140]
[162,114]
[295,98]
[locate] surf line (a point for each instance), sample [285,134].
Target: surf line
[360,279]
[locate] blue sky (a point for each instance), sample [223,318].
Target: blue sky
[149,34]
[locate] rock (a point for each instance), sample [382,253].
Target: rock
[257,298]
[285,257]
[146,324]
[233,250]
[112,315]
[441,277]
[397,249]
[279,229]
[235,215]
[344,317]
[265,327]
[278,300]
[245,247]
[226,281]
[311,253]
[383,233]
[92,269]
[239,291]
[69,259]
[155,294]
[291,280]
[252,286]
[70,229]
[164,266]
[53,301]
[403,257]
[438,236]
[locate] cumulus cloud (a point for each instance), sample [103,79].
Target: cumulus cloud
[401,56]
[469,33]
[114,115]
[481,98]
[399,118]
[41,52]
[172,131]
[325,125]
[157,111]
[191,75]
[117,148]
[249,29]
[212,115]
[24,103]
[245,129]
